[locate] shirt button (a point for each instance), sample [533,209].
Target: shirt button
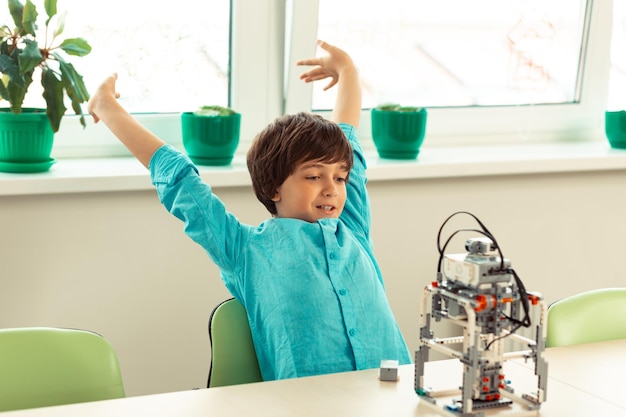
[343,291]
[331,255]
[352,332]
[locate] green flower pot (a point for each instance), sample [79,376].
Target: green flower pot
[25,141]
[210,140]
[615,128]
[398,134]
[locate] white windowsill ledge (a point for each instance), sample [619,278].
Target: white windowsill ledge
[126,174]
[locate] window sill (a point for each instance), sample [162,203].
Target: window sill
[126,174]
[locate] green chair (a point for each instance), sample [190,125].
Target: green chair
[233,358]
[591,316]
[41,366]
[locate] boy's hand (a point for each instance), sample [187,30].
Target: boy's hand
[104,94]
[103,106]
[337,65]
[331,65]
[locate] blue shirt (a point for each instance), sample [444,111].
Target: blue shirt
[313,292]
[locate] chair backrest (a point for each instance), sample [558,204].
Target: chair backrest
[591,316]
[42,366]
[233,358]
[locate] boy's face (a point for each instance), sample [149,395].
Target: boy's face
[314,191]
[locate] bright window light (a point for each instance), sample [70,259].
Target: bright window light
[488,71]
[170,57]
[452,53]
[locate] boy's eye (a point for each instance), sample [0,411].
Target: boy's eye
[313,177]
[340,179]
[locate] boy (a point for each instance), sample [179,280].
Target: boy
[307,277]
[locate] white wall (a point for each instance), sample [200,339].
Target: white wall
[118,264]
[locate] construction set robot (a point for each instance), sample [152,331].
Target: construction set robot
[479,292]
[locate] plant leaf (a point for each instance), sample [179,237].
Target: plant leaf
[4,93]
[30,56]
[214,110]
[51,9]
[76,46]
[16,8]
[17,91]
[14,82]
[5,31]
[72,81]
[4,46]
[53,94]
[9,67]
[74,87]
[29,18]
[75,100]
[410,109]
[60,24]
[388,106]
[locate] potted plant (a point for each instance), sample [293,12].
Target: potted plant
[211,134]
[397,131]
[615,128]
[26,134]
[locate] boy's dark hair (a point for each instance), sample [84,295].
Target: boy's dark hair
[289,141]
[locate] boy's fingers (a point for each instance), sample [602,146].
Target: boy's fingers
[324,45]
[317,60]
[309,61]
[331,84]
[95,117]
[314,71]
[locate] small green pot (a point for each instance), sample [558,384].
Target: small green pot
[25,141]
[210,140]
[615,128]
[398,134]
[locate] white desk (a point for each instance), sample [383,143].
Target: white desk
[571,392]
[598,369]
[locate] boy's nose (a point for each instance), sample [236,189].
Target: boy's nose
[330,190]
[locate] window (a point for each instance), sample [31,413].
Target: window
[200,57]
[488,69]
[454,53]
[168,58]
[173,57]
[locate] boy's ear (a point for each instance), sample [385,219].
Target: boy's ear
[276,197]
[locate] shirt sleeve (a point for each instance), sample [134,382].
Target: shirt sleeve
[356,213]
[186,196]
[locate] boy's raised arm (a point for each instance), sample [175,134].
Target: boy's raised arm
[339,66]
[104,106]
[142,143]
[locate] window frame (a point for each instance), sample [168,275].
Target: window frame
[268,37]
[492,124]
[257,48]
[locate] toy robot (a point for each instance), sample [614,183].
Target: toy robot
[481,293]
